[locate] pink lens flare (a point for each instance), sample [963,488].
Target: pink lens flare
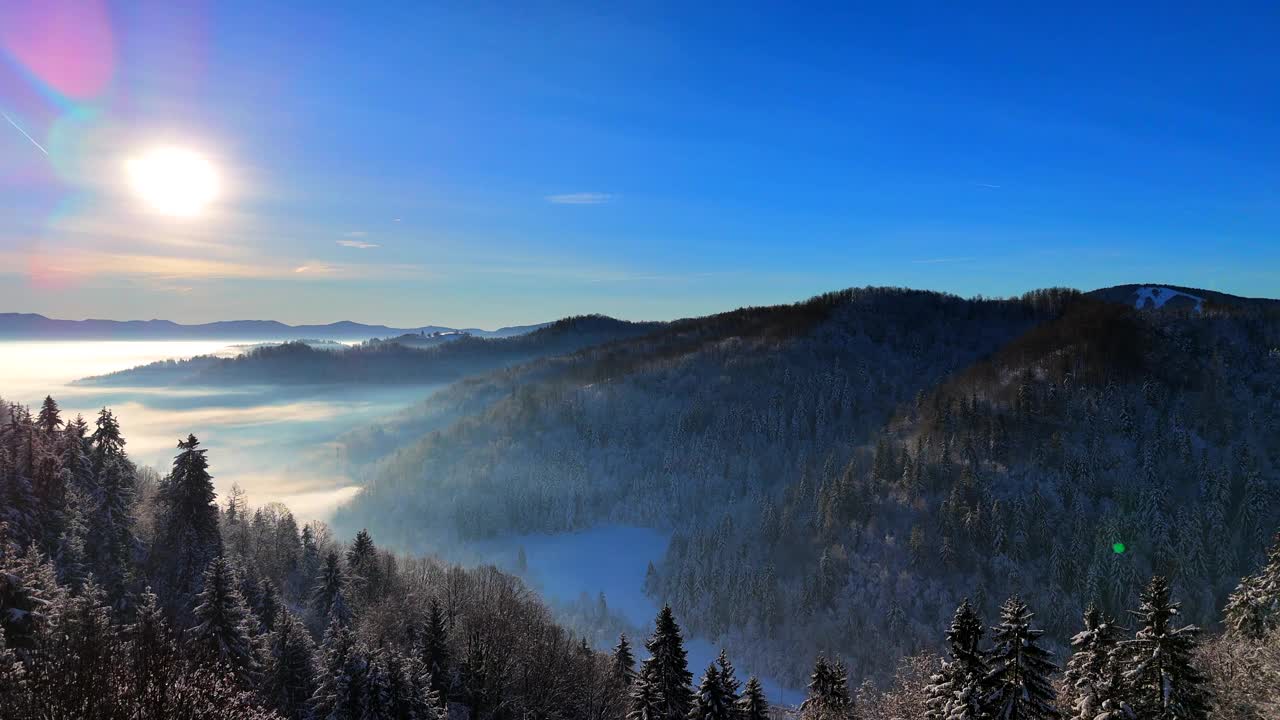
[66,44]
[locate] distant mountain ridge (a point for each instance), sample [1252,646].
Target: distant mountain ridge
[400,360]
[31,326]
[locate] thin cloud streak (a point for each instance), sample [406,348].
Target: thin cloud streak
[358,244]
[937,261]
[581,198]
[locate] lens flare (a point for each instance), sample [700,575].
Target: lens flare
[173,181]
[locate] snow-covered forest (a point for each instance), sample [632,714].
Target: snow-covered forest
[127,594]
[836,474]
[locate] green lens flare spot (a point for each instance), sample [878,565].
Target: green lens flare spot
[1118,548]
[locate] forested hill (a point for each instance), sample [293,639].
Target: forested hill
[839,472]
[383,362]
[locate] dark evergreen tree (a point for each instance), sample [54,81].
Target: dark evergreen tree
[221,634]
[1159,662]
[288,680]
[752,705]
[623,664]
[956,691]
[433,650]
[828,693]
[110,542]
[187,538]
[1018,682]
[329,599]
[49,419]
[665,673]
[709,702]
[728,680]
[364,574]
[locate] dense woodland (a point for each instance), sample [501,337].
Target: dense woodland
[128,595]
[837,473]
[383,362]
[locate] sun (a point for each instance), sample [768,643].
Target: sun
[173,180]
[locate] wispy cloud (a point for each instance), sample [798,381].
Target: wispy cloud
[987,185]
[359,244]
[580,198]
[937,261]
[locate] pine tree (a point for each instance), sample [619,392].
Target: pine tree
[646,702]
[729,681]
[289,676]
[1164,683]
[78,655]
[49,419]
[710,702]
[364,575]
[752,705]
[828,694]
[13,682]
[623,664]
[221,634]
[664,676]
[340,693]
[1087,673]
[329,598]
[187,537]
[433,650]
[956,691]
[110,544]
[29,591]
[1019,683]
[1253,609]
[150,650]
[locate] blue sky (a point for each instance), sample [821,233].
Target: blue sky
[475,164]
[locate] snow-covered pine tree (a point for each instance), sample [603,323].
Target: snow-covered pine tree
[645,701]
[379,700]
[329,599]
[955,692]
[1159,662]
[622,662]
[110,542]
[340,693]
[828,693]
[150,649]
[433,651]
[1087,670]
[752,705]
[1112,690]
[1253,609]
[187,538]
[1018,682]
[221,634]
[709,702]
[364,575]
[729,680]
[424,702]
[13,682]
[77,655]
[665,673]
[28,592]
[288,680]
